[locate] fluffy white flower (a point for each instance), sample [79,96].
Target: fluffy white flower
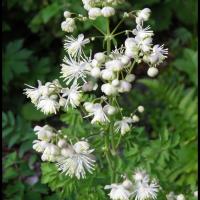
[142,33]
[50,153]
[73,96]
[114,65]
[108,11]
[140,175]
[44,133]
[39,146]
[123,125]
[77,160]
[107,74]
[143,15]
[109,89]
[98,114]
[118,192]
[74,45]
[68,25]
[152,71]
[48,105]
[124,86]
[94,13]
[72,69]
[180,197]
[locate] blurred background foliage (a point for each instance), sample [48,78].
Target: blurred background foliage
[165,143]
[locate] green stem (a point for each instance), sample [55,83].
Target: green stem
[117,26]
[108,39]
[131,68]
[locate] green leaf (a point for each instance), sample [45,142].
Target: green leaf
[10,159]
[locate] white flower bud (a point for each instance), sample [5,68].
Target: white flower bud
[125,59]
[140,109]
[95,63]
[180,197]
[130,78]
[68,25]
[135,118]
[100,57]
[107,74]
[88,106]
[95,72]
[39,146]
[115,65]
[115,82]
[127,184]
[108,89]
[62,101]
[67,152]
[94,13]
[152,71]
[124,86]
[110,110]
[62,143]
[108,11]
[67,14]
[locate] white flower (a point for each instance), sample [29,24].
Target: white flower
[94,13]
[62,143]
[73,96]
[88,106]
[98,114]
[68,25]
[108,11]
[48,105]
[140,109]
[124,86]
[100,57]
[127,184]
[50,153]
[180,197]
[39,146]
[44,133]
[152,71]
[144,190]
[96,72]
[77,160]
[118,192]
[114,65]
[96,63]
[141,175]
[67,14]
[158,55]
[72,69]
[142,33]
[171,196]
[74,45]
[130,78]
[109,89]
[132,48]
[107,74]
[143,15]
[123,125]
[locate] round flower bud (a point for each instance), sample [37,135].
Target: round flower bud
[108,11]
[88,106]
[62,101]
[62,143]
[108,89]
[124,86]
[68,25]
[95,72]
[67,14]
[140,109]
[107,74]
[127,184]
[94,13]
[100,57]
[67,152]
[53,97]
[130,77]
[125,59]
[115,82]
[180,197]
[95,63]
[110,110]
[152,71]
[135,118]
[115,65]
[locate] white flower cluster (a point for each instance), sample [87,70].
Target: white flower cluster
[69,24]
[72,159]
[142,188]
[141,48]
[98,8]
